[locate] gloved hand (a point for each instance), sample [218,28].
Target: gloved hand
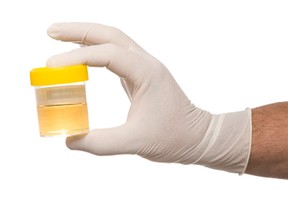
[162,124]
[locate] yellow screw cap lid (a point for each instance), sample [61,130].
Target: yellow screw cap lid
[60,75]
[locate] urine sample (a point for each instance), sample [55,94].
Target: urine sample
[61,99]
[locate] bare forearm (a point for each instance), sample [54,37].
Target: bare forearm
[269,151]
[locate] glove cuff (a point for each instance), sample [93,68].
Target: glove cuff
[227,142]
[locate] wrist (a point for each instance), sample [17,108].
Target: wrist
[227,141]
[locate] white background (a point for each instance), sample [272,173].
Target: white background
[226,55]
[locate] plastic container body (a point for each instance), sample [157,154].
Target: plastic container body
[62,109]
[61,100]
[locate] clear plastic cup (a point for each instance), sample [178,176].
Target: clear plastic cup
[61,99]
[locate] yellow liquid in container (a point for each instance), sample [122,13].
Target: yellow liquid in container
[63,119]
[61,99]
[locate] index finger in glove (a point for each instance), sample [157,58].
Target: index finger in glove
[124,63]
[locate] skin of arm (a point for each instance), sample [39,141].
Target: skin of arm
[269,150]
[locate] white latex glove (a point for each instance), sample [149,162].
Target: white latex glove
[162,124]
